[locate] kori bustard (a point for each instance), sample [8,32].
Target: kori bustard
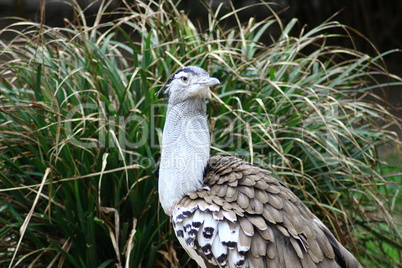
[226,212]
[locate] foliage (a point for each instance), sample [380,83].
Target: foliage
[80,126]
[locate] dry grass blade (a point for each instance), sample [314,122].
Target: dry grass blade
[27,219]
[130,244]
[134,166]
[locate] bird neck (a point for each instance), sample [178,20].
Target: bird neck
[184,152]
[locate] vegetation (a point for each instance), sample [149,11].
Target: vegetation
[80,127]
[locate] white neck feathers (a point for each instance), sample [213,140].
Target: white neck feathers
[185,151]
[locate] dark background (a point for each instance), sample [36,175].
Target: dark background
[379,20]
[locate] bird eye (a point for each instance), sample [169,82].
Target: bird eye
[184,78]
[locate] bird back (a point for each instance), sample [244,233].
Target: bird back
[244,217]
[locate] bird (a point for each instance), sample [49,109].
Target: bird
[226,212]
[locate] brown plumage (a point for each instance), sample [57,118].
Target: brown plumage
[264,223]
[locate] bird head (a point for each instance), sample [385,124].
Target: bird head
[188,83]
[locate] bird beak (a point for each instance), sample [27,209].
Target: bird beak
[209,81]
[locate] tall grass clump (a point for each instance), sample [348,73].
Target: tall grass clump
[80,127]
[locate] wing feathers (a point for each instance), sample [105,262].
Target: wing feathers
[258,222]
[228,234]
[244,217]
[244,242]
[246,226]
[258,246]
[219,251]
[230,215]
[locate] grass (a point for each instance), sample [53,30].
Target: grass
[80,127]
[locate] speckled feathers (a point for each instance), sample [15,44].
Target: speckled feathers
[244,217]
